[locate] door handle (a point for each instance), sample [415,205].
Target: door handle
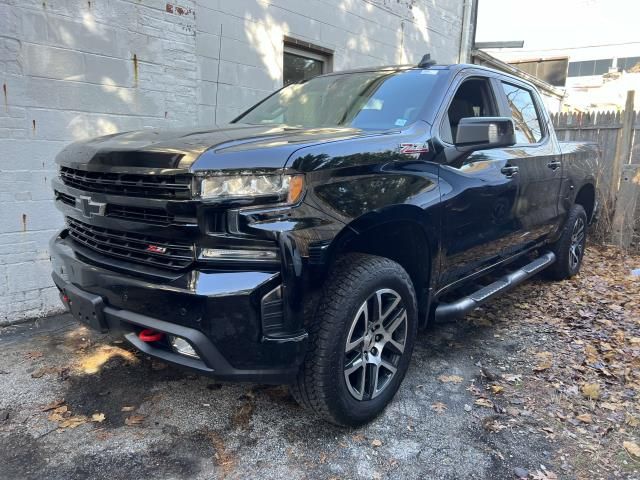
[554,165]
[509,170]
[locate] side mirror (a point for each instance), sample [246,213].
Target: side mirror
[479,133]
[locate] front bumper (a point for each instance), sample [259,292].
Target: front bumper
[218,312]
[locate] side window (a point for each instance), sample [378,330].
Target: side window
[524,113]
[473,99]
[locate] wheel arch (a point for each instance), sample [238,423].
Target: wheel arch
[586,196]
[401,233]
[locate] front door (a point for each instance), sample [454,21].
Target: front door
[480,193]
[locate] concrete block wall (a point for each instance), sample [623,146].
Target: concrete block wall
[71,69]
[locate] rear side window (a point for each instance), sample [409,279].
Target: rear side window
[524,113]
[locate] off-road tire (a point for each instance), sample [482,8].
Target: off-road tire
[563,267]
[320,385]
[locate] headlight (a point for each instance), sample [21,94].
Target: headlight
[284,187]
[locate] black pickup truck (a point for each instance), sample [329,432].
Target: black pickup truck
[308,240]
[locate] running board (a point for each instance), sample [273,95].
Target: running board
[447,311]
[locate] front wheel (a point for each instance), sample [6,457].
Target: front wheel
[361,340]
[569,248]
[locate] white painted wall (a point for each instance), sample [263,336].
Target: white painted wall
[68,72]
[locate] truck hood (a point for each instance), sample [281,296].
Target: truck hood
[235,146]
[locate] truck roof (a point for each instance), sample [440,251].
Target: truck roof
[454,67]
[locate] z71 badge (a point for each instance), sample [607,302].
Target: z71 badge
[413,148]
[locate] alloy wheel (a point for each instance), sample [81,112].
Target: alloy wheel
[576,249]
[375,343]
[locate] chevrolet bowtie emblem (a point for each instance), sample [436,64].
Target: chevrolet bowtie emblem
[89,208]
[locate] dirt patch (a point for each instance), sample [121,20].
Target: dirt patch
[222,457]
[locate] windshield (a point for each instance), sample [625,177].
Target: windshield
[367,100]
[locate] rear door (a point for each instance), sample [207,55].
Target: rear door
[537,158]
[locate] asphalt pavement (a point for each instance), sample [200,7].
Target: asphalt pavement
[75,405]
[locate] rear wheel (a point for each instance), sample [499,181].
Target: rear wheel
[361,340]
[569,249]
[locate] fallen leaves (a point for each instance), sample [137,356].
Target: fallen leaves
[497,389]
[483,402]
[98,417]
[585,418]
[545,361]
[62,415]
[543,475]
[134,420]
[450,379]
[64,418]
[572,373]
[632,420]
[72,422]
[492,424]
[591,391]
[438,407]
[376,443]
[513,378]
[591,354]
[632,449]
[58,414]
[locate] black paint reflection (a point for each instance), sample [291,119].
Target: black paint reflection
[357,196]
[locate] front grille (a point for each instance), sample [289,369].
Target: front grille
[128,184]
[132,246]
[68,199]
[155,216]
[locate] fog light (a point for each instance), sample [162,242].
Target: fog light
[181,346]
[224,254]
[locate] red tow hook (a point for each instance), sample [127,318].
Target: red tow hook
[149,335]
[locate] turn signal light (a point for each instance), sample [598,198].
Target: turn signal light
[296,187]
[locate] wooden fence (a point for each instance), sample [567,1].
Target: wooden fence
[618,179]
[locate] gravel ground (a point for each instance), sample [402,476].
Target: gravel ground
[178,425]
